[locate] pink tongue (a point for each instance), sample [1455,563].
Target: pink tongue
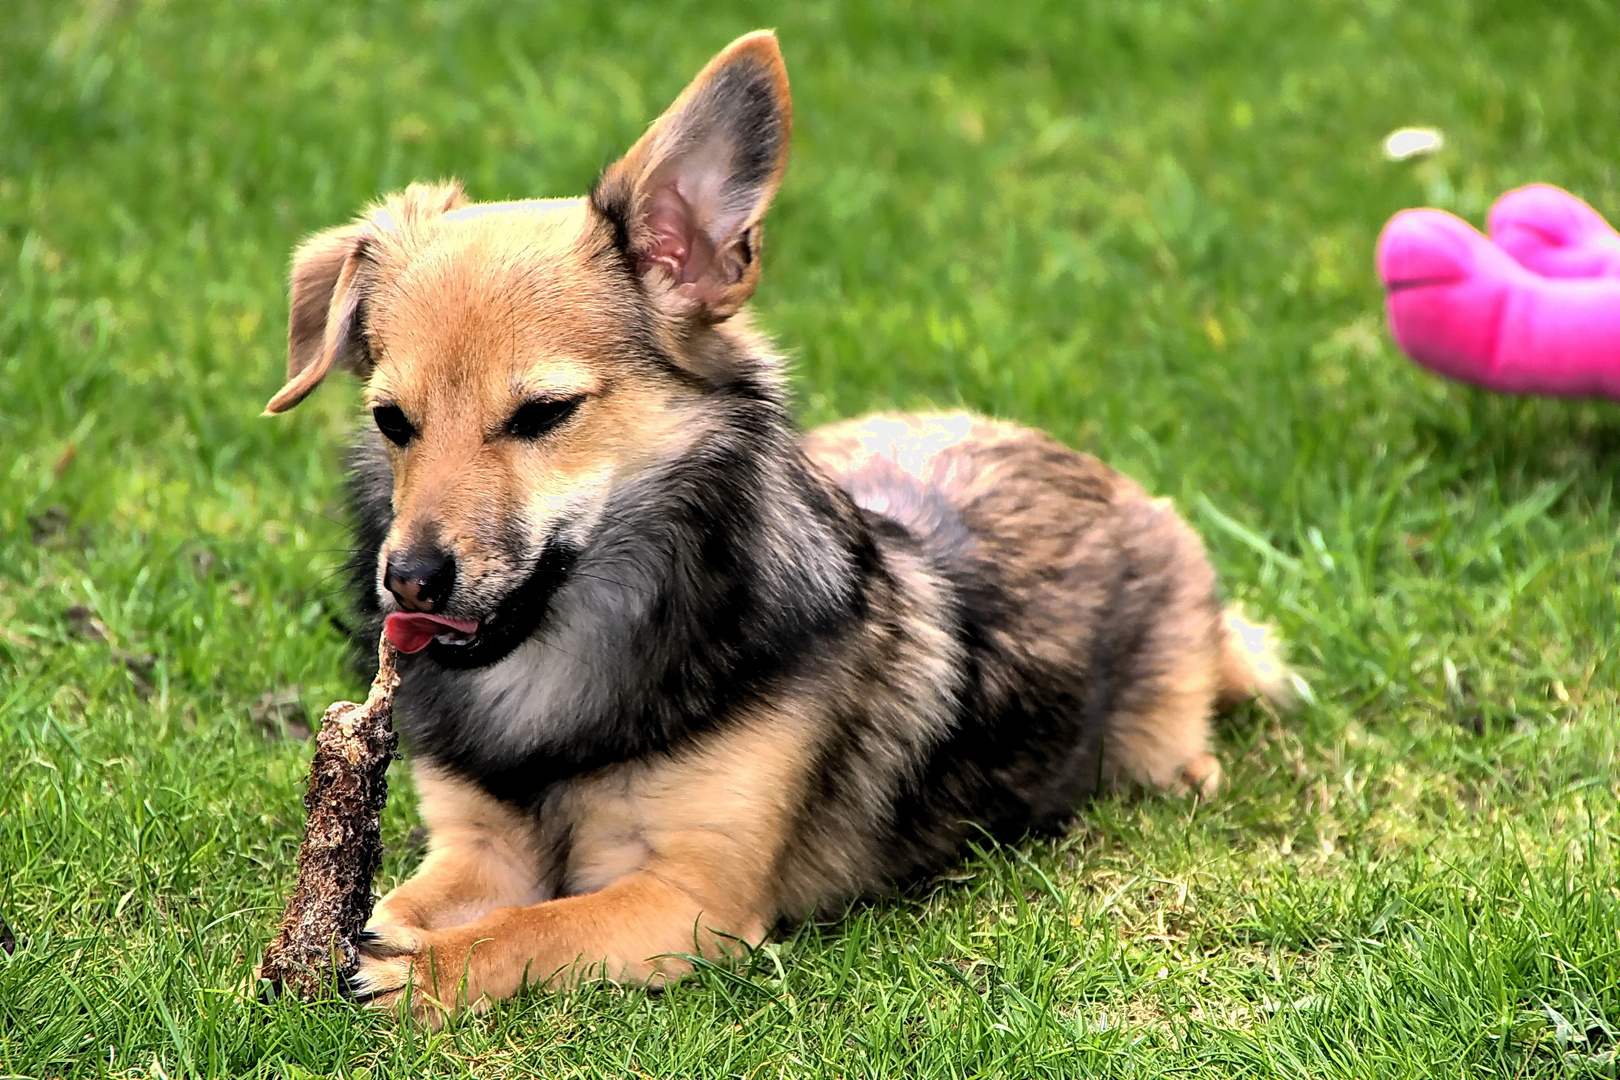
[411,631]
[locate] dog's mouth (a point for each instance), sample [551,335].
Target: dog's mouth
[473,643]
[411,631]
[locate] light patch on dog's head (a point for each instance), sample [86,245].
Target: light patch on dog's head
[523,359]
[516,383]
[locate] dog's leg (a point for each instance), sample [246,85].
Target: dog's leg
[482,855]
[1166,744]
[668,857]
[639,929]
[1159,733]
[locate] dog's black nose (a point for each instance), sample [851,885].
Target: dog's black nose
[421,579]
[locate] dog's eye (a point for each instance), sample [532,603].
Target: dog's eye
[392,423]
[534,418]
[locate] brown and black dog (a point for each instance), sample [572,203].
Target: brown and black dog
[678,671]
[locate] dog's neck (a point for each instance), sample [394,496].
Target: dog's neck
[713,576]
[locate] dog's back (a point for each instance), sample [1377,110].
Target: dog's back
[1096,645]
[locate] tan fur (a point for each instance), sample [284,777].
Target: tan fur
[482,855]
[673,856]
[538,334]
[1167,746]
[634,929]
[517,289]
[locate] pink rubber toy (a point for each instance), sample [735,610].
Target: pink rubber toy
[1550,231]
[1534,310]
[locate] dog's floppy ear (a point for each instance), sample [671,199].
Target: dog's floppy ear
[687,199]
[325,294]
[321,333]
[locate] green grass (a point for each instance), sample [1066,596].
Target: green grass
[1144,226]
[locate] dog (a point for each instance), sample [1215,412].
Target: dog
[677,672]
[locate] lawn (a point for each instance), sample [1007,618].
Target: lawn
[1146,227]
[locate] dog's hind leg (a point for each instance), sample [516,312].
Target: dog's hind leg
[1164,742]
[1161,735]
[1159,715]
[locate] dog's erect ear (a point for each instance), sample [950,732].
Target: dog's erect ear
[688,198]
[321,333]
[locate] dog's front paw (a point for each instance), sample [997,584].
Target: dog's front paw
[429,969]
[387,972]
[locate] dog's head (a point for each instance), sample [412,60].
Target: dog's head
[521,360]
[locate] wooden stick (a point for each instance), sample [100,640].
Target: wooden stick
[342,844]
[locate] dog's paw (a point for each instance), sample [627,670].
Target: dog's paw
[386,975]
[430,970]
[385,968]
[1201,777]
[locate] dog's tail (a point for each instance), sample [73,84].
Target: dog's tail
[1252,665]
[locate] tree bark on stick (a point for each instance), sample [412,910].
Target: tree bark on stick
[342,845]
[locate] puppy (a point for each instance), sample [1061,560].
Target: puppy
[677,672]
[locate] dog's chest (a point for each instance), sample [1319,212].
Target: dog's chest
[732,794]
[547,699]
